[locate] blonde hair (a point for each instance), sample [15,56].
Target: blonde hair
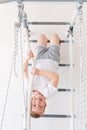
[36,115]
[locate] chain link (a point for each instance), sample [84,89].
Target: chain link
[82,110]
[16,47]
[17,28]
[9,81]
[24,90]
[28,91]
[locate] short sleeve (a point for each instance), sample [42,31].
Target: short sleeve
[49,91]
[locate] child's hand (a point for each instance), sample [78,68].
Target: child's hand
[34,71]
[30,54]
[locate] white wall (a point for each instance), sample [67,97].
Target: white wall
[61,102]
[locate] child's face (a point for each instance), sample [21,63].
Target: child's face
[38,104]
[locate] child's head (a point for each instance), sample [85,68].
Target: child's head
[38,105]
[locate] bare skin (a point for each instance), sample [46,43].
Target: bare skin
[38,102]
[28,56]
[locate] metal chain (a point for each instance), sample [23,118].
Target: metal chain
[24,91]
[70,77]
[27,93]
[82,91]
[20,6]
[16,46]
[8,86]
[13,66]
[18,32]
[29,86]
[78,16]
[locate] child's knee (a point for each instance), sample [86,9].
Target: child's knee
[42,39]
[55,38]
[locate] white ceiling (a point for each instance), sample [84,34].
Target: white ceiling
[80,1]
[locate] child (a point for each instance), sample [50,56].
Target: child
[45,73]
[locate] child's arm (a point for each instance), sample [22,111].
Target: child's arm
[28,56]
[54,77]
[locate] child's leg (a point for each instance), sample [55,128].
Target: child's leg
[41,46]
[53,52]
[54,48]
[42,40]
[54,39]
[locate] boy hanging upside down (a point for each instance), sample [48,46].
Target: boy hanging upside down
[45,73]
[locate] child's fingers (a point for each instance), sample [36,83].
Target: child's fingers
[33,70]
[30,54]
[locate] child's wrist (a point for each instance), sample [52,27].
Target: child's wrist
[39,71]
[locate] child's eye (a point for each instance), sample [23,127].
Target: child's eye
[33,105]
